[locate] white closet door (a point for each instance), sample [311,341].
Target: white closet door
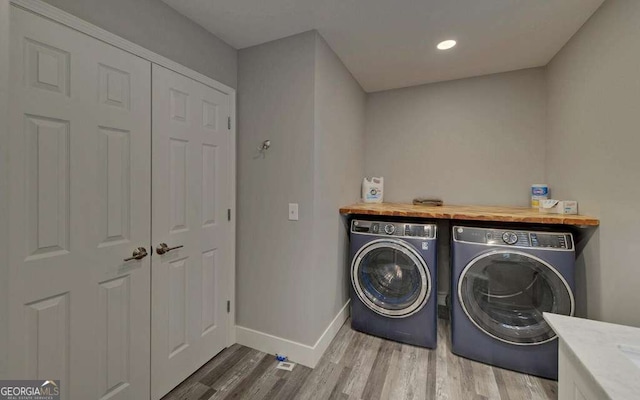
[79,205]
[191,195]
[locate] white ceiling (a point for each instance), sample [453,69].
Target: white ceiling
[392,43]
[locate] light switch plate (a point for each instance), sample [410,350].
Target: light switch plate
[293,211]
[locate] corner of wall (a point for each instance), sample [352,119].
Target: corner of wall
[296,352]
[336,127]
[276,102]
[592,124]
[330,98]
[546,132]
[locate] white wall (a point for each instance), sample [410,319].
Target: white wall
[4,183]
[292,279]
[593,152]
[276,102]
[156,26]
[338,171]
[470,141]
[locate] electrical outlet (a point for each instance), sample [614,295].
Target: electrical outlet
[293,211]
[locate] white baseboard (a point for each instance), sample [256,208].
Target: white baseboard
[296,352]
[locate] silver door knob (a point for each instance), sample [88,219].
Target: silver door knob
[138,254]
[164,248]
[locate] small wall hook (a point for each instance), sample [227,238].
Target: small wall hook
[262,149]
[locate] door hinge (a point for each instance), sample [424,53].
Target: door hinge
[228,214]
[229,123]
[228,306]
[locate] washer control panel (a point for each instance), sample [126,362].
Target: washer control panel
[395,229]
[505,237]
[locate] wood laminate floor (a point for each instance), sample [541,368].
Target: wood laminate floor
[359,366]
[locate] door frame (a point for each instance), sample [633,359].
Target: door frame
[48,11]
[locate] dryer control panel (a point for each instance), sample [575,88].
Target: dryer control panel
[506,237]
[396,229]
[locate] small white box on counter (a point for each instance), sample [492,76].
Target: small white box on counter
[558,206]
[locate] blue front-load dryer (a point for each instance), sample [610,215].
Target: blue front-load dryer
[502,282]
[393,281]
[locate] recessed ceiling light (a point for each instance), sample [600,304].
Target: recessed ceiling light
[446,45]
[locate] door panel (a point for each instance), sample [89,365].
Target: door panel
[191,194]
[48,349]
[47,155]
[79,204]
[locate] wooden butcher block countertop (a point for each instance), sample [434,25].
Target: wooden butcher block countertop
[469,213]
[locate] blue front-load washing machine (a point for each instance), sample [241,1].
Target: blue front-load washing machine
[393,281]
[502,282]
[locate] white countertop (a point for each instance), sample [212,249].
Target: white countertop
[596,345]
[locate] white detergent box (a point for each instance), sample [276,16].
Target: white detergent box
[558,206]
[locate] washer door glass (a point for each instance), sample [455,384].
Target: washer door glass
[505,293]
[391,278]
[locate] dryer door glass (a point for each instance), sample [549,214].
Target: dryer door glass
[391,278]
[505,293]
